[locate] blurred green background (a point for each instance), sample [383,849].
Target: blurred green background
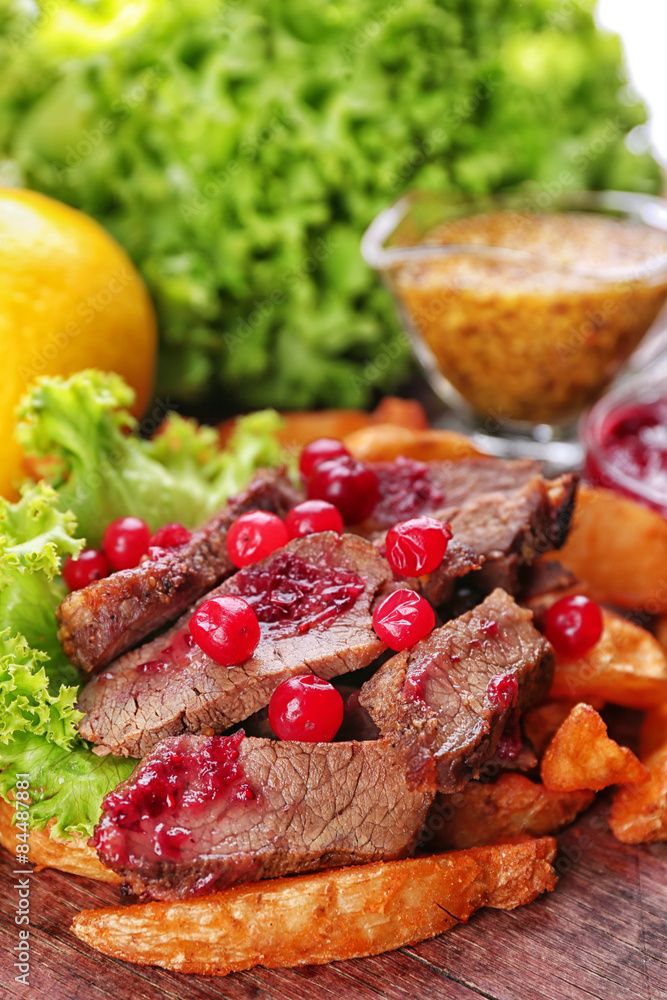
[239,149]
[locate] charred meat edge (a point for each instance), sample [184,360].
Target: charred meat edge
[104,619]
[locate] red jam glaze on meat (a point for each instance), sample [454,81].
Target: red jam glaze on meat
[291,596]
[171,657]
[405,491]
[170,790]
[414,687]
[510,744]
[503,690]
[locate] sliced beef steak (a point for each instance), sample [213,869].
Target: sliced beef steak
[409,488]
[511,530]
[314,602]
[101,621]
[508,517]
[202,813]
[437,587]
[456,692]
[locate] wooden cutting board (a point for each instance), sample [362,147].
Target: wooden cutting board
[602,935]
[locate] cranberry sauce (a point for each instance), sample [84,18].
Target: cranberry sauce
[630,453]
[149,818]
[414,686]
[171,657]
[426,668]
[503,690]
[406,491]
[291,596]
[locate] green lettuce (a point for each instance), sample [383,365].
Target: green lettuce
[238,150]
[34,538]
[68,785]
[78,432]
[38,686]
[27,705]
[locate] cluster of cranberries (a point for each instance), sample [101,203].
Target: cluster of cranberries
[126,541]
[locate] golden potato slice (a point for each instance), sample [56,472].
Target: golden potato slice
[653,733]
[302,426]
[628,666]
[508,807]
[385,442]
[71,855]
[539,723]
[639,813]
[661,631]
[619,548]
[326,917]
[581,755]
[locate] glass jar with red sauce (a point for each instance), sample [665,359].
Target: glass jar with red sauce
[625,437]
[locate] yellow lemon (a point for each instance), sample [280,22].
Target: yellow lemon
[70,298]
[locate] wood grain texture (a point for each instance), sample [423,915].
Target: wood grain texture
[602,935]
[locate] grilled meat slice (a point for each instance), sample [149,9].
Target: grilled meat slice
[503,515]
[314,601]
[410,489]
[456,692]
[101,621]
[511,530]
[202,813]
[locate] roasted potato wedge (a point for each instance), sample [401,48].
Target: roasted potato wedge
[582,756]
[326,917]
[71,855]
[540,723]
[639,814]
[385,442]
[628,666]
[661,631]
[300,427]
[487,812]
[619,548]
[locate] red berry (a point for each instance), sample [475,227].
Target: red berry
[321,450]
[503,690]
[255,536]
[126,541]
[226,629]
[402,619]
[311,516]
[91,565]
[170,536]
[417,546]
[306,708]
[573,625]
[349,485]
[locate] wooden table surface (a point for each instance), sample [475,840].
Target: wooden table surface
[602,935]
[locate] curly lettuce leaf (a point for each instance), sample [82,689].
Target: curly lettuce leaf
[76,433]
[65,785]
[26,703]
[35,536]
